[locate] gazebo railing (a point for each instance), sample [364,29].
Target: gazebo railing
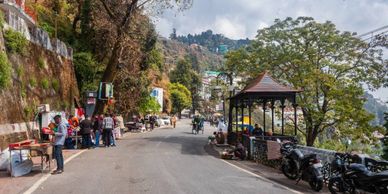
[260,151]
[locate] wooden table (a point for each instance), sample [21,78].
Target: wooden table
[43,149]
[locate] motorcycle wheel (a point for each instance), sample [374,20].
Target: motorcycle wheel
[336,185]
[290,170]
[316,185]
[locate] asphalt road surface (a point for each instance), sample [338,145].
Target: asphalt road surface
[162,161]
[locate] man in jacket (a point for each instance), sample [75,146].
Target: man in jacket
[108,125]
[60,137]
[86,128]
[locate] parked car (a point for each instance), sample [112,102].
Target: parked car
[166,120]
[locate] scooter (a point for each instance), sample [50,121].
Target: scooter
[297,166]
[355,176]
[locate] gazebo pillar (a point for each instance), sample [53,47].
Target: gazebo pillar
[236,116]
[282,107]
[250,114]
[264,108]
[242,116]
[272,116]
[230,116]
[295,118]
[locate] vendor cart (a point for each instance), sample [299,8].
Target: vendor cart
[44,150]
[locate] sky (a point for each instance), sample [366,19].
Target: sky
[240,19]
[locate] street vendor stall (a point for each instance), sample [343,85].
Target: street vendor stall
[44,150]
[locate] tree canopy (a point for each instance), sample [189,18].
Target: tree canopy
[188,77]
[180,97]
[149,104]
[330,67]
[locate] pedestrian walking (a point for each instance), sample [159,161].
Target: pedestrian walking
[108,126]
[60,137]
[173,121]
[86,128]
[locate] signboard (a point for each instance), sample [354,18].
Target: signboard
[105,91]
[91,101]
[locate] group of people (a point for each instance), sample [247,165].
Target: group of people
[101,127]
[96,127]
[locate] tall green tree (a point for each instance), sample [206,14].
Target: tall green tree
[187,76]
[149,105]
[328,65]
[180,98]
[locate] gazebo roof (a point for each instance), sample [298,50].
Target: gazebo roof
[264,84]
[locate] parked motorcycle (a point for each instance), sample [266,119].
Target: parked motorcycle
[297,166]
[355,176]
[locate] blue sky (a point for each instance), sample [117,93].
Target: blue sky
[242,18]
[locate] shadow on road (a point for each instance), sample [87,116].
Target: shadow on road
[189,145]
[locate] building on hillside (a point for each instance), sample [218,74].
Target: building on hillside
[223,49]
[208,76]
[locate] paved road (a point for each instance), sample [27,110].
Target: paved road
[163,161]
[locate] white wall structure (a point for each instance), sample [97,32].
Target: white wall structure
[158,94]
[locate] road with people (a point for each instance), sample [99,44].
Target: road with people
[165,160]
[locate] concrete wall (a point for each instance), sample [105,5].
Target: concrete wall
[323,154]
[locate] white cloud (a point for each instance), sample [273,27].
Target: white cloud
[229,28]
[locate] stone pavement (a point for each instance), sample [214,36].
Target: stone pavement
[11,185]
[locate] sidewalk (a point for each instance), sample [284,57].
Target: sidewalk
[272,174]
[11,185]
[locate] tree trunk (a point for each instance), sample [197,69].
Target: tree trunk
[109,73]
[311,135]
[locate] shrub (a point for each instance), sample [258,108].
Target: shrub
[20,71]
[41,63]
[23,92]
[45,83]
[2,20]
[55,85]
[15,41]
[5,71]
[33,82]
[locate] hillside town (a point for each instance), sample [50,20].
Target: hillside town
[140,96]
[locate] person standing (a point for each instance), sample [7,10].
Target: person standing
[86,128]
[173,121]
[60,137]
[152,122]
[97,125]
[107,124]
[257,131]
[114,131]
